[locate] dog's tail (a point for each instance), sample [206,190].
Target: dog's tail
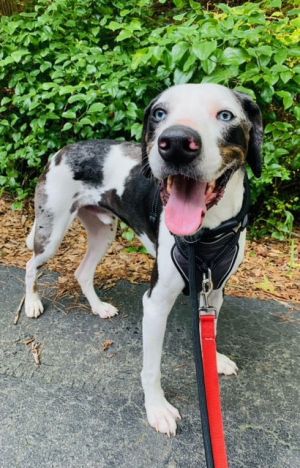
[30,238]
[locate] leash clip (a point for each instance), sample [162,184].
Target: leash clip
[207,310]
[207,287]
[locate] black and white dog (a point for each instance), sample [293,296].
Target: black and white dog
[196,136]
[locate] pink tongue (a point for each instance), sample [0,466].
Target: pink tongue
[186,206]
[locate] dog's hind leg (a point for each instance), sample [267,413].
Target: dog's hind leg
[100,236]
[46,236]
[30,237]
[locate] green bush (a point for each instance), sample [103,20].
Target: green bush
[79,69]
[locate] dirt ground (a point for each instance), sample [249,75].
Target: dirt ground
[271,269]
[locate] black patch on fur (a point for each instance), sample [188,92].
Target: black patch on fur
[86,159]
[251,109]
[135,204]
[236,136]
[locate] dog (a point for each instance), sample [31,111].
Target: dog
[186,177]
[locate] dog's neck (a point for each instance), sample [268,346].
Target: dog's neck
[230,204]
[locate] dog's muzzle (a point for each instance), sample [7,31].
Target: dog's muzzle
[179,145]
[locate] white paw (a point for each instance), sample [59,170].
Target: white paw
[105,310]
[162,417]
[33,306]
[225,365]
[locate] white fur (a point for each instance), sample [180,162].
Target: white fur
[116,170]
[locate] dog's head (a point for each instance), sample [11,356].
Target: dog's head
[195,136]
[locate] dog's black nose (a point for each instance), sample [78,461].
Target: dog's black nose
[179,144]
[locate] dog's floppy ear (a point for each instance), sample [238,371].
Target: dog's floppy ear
[146,135]
[254,156]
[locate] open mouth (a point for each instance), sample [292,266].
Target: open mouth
[187,200]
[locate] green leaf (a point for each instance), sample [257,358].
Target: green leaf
[286,76]
[286,97]
[204,49]
[179,50]
[234,56]
[95,108]
[114,26]
[66,127]
[275,3]
[125,34]
[281,55]
[209,65]
[181,77]
[69,114]
[128,235]
[18,54]
[48,86]
[77,97]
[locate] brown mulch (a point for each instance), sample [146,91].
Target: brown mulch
[271,269]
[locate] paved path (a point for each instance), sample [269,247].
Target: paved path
[83,407]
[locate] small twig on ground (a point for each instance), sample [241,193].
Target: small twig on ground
[18,311]
[28,341]
[36,352]
[35,348]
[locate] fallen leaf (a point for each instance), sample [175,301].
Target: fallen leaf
[106,345]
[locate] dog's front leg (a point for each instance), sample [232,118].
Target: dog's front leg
[157,305]
[160,413]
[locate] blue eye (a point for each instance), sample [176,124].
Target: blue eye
[159,114]
[225,116]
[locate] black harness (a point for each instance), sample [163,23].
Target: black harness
[215,249]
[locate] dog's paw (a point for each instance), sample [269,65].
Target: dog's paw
[162,417]
[33,306]
[105,310]
[225,365]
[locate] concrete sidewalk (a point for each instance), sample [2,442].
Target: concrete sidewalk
[83,407]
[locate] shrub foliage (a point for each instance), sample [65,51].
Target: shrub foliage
[79,69]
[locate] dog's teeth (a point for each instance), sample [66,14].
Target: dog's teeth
[210,187]
[169,184]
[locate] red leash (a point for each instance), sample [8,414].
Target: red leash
[205,349]
[207,325]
